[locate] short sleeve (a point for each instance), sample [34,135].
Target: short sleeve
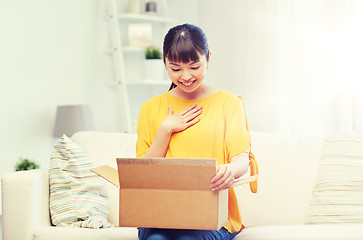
[237,137]
[143,131]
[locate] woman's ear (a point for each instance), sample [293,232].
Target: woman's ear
[208,59]
[209,55]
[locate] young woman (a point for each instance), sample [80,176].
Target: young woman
[195,120]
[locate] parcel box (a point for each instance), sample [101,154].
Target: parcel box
[168,193]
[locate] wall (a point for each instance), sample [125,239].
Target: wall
[53,53]
[294,62]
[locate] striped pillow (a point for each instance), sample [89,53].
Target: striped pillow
[78,197]
[338,192]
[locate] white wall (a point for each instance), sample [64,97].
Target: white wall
[53,53]
[295,62]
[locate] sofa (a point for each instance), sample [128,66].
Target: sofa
[279,210]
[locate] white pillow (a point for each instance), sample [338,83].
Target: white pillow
[338,192]
[78,197]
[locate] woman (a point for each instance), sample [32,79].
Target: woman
[195,120]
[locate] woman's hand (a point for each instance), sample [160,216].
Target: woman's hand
[223,179]
[227,173]
[183,120]
[173,123]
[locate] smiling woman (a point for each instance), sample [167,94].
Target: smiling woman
[185,44]
[195,120]
[187,76]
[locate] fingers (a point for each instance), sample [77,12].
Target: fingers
[188,109]
[189,114]
[191,110]
[223,179]
[183,120]
[193,122]
[192,115]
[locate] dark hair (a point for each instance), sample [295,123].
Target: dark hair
[184,43]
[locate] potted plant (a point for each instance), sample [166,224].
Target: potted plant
[25,164]
[154,69]
[152,53]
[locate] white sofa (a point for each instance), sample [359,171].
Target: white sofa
[279,210]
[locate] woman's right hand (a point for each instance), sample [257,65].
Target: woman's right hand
[183,120]
[173,123]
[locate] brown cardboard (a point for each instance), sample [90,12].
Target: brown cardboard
[168,193]
[108,173]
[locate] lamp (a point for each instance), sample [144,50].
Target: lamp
[71,119]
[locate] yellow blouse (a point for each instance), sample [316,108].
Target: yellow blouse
[221,134]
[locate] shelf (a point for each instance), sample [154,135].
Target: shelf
[126,49]
[145,82]
[151,82]
[132,57]
[145,17]
[133,49]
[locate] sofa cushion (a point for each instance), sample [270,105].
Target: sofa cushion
[338,193]
[303,232]
[78,196]
[288,167]
[61,233]
[103,148]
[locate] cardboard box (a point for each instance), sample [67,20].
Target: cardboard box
[167,193]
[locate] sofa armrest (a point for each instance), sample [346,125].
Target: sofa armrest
[25,203]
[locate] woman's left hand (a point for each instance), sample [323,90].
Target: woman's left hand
[223,179]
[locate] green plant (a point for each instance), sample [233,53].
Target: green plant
[25,164]
[152,53]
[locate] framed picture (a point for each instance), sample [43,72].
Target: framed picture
[140,34]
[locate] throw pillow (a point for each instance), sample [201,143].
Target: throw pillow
[78,197]
[338,193]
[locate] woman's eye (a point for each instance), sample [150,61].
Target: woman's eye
[175,70]
[195,68]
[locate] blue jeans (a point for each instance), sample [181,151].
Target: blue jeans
[180,234]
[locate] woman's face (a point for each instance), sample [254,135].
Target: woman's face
[187,76]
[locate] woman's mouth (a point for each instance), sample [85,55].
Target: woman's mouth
[187,84]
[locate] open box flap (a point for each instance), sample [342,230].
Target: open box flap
[166,173]
[192,178]
[108,173]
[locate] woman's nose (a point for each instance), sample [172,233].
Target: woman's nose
[186,75]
